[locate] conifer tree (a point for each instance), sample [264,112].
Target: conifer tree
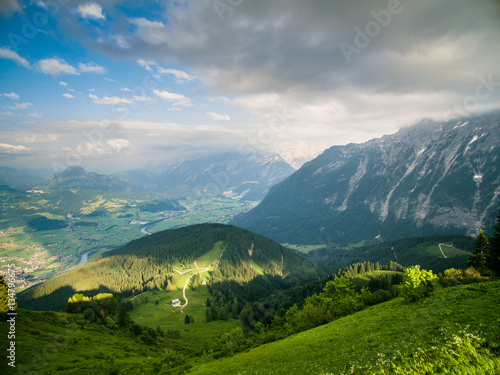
[493,257]
[477,259]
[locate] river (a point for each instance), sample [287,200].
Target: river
[83,258]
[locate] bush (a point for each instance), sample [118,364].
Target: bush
[417,284]
[455,277]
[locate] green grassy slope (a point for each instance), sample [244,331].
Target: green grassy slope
[376,335]
[48,342]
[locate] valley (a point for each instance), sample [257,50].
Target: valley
[92,227]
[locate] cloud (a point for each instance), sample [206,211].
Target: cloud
[120,41]
[118,144]
[178,74]
[146,64]
[125,89]
[9,7]
[63,83]
[6,53]
[11,95]
[216,116]
[91,68]
[110,100]
[69,96]
[8,113]
[87,149]
[11,149]
[55,66]
[142,98]
[427,52]
[20,106]
[178,100]
[151,32]
[91,11]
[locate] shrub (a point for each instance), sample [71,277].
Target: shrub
[417,284]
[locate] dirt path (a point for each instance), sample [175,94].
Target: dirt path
[187,283]
[441,248]
[182,273]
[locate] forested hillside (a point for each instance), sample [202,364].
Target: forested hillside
[437,253]
[247,259]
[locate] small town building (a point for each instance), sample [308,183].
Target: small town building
[175,302]
[203,282]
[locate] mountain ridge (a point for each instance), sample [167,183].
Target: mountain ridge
[400,185]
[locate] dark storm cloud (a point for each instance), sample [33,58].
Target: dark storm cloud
[296,45]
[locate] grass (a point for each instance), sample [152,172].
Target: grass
[256,267]
[66,344]
[356,342]
[211,256]
[303,248]
[152,314]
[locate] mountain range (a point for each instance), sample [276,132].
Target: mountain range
[230,174]
[426,179]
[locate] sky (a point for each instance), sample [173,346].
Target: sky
[111,85]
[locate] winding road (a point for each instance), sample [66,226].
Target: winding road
[187,281]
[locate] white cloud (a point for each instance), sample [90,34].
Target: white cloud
[55,66]
[177,99]
[9,113]
[11,149]
[152,32]
[69,96]
[118,144]
[142,98]
[20,106]
[92,149]
[6,53]
[63,83]
[146,64]
[126,89]
[178,74]
[91,68]
[110,100]
[11,95]
[36,138]
[91,10]
[216,116]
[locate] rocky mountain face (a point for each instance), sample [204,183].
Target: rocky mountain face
[426,179]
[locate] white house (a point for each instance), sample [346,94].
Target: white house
[175,302]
